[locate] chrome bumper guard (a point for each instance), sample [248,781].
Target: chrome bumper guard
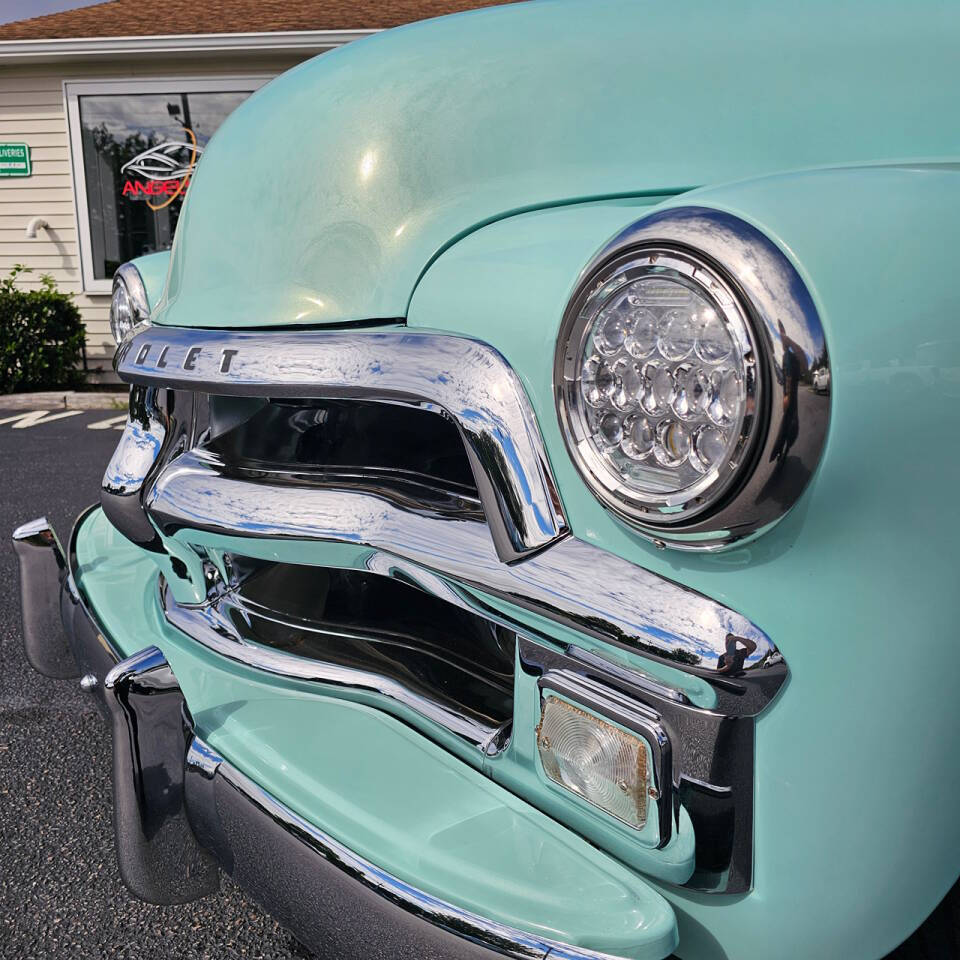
[182,812]
[43,573]
[61,638]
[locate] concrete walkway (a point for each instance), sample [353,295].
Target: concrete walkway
[64,400]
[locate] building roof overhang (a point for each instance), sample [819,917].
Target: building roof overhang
[294,41]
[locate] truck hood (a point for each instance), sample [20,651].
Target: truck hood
[326,195]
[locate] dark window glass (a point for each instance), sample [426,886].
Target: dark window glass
[138,153]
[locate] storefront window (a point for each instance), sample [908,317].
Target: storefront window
[135,151]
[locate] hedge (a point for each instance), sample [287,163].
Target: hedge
[41,337]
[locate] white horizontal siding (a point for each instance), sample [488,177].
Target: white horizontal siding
[32,111]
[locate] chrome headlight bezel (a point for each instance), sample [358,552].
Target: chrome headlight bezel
[760,293]
[128,284]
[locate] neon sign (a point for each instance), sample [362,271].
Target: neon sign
[165,170]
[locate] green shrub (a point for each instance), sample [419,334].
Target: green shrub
[41,337]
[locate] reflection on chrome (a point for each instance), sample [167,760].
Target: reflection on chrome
[139,446]
[159,858]
[572,583]
[359,660]
[466,379]
[164,483]
[42,568]
[135,457]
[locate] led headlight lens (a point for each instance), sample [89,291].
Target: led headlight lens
[600,762]
[658,384]
[128,304]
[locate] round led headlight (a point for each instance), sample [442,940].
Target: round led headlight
[671,374]
[128,303]
[660,385]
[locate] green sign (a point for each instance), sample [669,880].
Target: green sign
[14,160]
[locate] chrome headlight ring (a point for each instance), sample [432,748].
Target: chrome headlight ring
[128,301]
[632,404]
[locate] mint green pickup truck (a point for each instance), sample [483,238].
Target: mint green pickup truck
[525,540]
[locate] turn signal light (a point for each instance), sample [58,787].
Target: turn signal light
[596,760]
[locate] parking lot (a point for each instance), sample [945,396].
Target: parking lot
[60,891]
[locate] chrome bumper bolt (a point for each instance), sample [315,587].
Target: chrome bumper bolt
[88,682]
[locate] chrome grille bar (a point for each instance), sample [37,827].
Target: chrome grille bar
[572,583]
[466,379]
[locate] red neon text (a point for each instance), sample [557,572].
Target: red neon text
[153,188]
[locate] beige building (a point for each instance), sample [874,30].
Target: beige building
[104,109]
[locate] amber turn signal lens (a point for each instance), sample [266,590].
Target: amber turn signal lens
[596,760]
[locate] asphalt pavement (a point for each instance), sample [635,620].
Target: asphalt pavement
[60,890]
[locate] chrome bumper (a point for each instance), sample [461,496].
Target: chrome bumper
[182,812]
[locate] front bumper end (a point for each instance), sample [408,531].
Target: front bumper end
[60,636]
[182,812]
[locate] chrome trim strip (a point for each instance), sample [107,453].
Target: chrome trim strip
[466,379]
[501,939]
[573,583]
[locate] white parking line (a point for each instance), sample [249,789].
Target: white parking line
[21,421]
[116,422]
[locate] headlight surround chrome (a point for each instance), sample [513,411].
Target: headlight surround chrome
[739,282]
[128,302]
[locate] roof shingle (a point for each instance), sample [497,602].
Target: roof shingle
[140,18]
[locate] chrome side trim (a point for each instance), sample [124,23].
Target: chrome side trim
[205,766]
[792,419]
[466,379]
[573,583]
[43,567]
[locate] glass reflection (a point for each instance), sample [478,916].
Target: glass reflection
[139,153]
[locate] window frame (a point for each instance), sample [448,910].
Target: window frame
[132,86]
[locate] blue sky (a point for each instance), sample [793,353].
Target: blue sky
[22,9]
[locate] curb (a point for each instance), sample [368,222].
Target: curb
[64,400]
